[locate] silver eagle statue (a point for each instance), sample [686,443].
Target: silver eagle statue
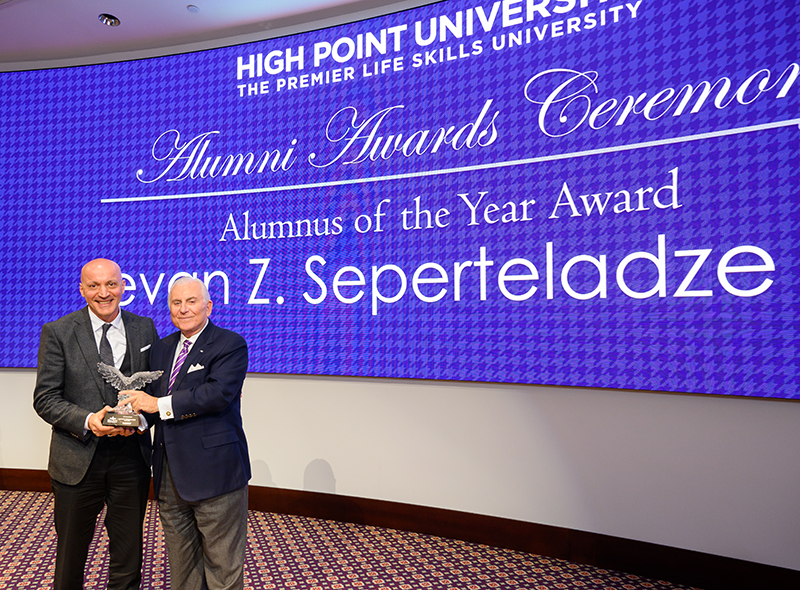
[120,382]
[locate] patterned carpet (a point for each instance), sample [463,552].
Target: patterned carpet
[305,554]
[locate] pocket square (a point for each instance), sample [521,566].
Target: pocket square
[143,348]
[196,367]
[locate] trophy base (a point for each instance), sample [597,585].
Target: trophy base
[121,420]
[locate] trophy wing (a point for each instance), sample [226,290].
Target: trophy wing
[112,376]
[142,378]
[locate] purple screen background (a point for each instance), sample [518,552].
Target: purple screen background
[74,140]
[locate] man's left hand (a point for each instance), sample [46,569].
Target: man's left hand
[140,401]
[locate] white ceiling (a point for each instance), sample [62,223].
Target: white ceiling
[47,33]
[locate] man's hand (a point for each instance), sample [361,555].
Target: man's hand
[99,429]
[140,401]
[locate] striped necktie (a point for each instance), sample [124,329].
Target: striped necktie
[178,364]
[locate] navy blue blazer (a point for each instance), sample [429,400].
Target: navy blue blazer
[204,442]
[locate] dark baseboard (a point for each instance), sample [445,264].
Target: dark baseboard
[26,480]
[681,566]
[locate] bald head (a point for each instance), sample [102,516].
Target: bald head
[102,287]
[102,265]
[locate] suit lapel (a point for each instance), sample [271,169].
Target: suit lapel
[88,347]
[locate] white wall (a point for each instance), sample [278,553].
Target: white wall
[716,475]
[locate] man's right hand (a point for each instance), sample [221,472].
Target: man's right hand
[99,429]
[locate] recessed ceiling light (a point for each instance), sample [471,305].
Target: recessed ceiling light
[192,8]
[109,19]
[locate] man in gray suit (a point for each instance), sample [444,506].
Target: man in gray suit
[91,464]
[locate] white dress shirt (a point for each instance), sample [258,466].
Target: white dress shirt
[116,336]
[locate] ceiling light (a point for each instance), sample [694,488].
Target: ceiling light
[192,8]
[109,19]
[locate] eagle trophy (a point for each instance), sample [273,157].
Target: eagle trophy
[120,382]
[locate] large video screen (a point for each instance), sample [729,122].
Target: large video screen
[567,192]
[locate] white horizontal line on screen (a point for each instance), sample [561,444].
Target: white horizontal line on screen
[522,162]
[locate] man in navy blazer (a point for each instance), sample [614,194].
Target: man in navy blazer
[91,464]
[201,465]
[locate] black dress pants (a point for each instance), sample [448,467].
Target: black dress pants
[119,478]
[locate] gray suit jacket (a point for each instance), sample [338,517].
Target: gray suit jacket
[68,387]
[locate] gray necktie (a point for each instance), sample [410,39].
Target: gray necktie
[106,355]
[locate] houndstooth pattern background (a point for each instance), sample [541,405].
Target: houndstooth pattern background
[74,139]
